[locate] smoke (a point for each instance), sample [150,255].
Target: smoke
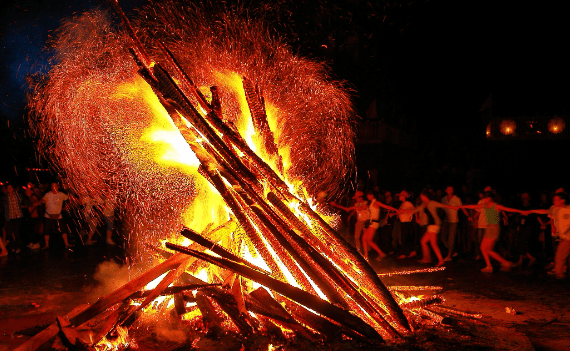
[110,275]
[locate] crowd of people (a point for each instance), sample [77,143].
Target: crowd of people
[474,226]
[32,215]
[405,226]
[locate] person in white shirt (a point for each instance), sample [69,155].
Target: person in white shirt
[53,219]
[560,214]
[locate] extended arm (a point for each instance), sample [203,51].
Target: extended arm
[508,209]
[379,204]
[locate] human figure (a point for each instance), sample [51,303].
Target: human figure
[492,212]
[34,219]
[405,218]
[422,221]
[449,226]
[362,216]
[369,232]
[560,214]
[53,201]
[544,232]
[524,231]
[388,233]
[13,216]
[429,207]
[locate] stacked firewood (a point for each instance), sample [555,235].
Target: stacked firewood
[337,293]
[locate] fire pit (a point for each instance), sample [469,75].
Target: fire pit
[216,180]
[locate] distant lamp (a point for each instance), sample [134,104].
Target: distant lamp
[488,130]
[508,127]
[556,125]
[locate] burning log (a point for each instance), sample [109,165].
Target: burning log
[231,307]
[215,248]
[259,116]
[110,322]
[128,289]
[173,290]
[179,304]
[212,321]
[243,204]
[47,334]
[277,312]
[70,337]
[81,315]
[433,300]
[326,309]
[454,311]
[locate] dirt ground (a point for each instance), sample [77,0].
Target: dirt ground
[523,309]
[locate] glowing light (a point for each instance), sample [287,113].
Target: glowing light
[507,127]
[203,274]
[556,125]
[153,284]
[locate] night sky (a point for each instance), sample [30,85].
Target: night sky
[437,61]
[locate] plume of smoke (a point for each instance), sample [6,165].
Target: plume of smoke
[110,275]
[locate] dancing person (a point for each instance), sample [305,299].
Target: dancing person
[492,212]
[449,226]
[429,207]
[560,214]
[405,218]
[544,233]
[525,232]
[362,216]
[387,231]
[34,219]
[369,232]
[422,222]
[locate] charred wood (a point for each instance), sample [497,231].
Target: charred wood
[212,321]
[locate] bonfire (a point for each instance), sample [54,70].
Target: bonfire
[217,142]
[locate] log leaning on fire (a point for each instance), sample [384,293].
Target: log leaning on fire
[172,96]
[85,313]
[327,309]
[175,100]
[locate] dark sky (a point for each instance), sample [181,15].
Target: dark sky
[441,67]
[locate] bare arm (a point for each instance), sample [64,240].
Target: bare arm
[508,209]
[539,211]
[379,204]
[347,209]
[472,207]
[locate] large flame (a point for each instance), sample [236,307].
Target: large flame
[108,132]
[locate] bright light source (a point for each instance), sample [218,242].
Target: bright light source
[508,127]
[556,125]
